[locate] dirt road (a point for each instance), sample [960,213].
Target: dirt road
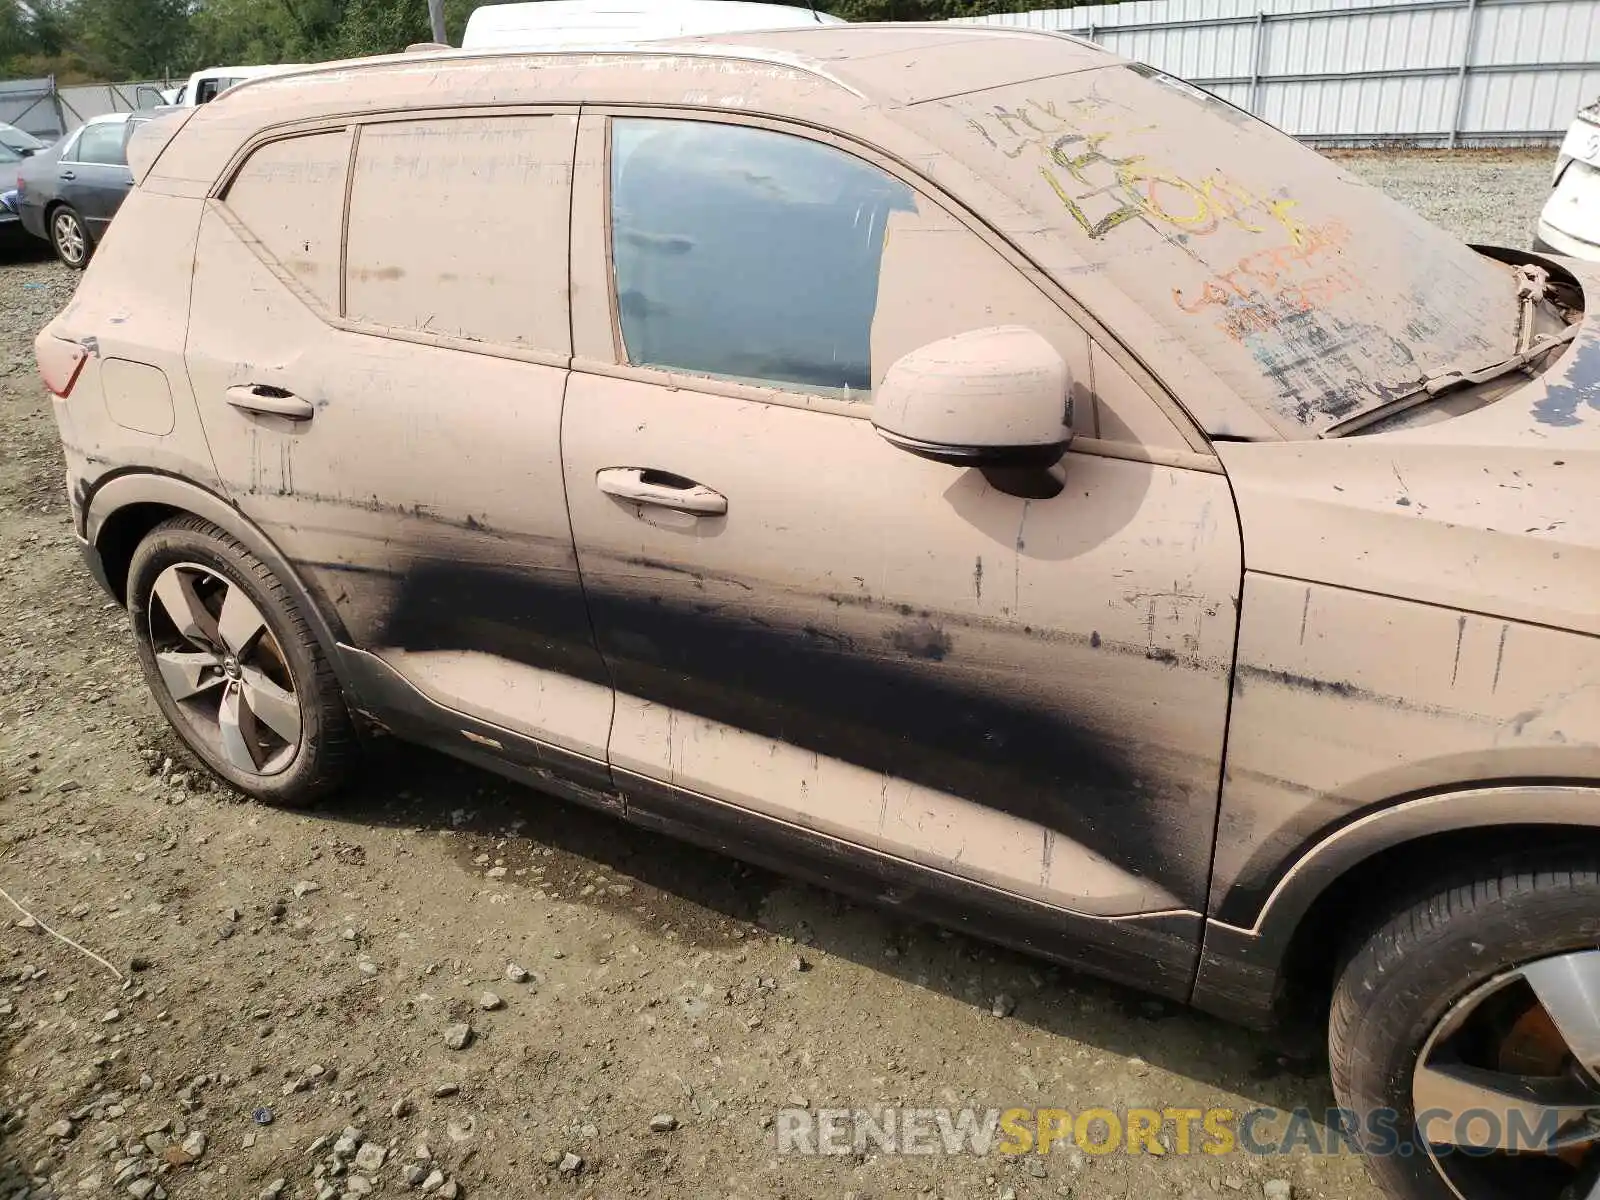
[293,987]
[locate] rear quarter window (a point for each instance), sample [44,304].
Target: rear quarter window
[289,196]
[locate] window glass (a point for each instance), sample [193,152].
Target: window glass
[459,226]
[747,253]
[105,143]
[759,255]
[290,196]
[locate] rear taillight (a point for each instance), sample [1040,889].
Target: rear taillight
[60,363]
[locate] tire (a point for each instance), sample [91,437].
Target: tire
[69,237]
[1454,961]
[298,751]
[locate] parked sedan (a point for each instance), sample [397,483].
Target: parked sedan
[68,193]
[951,462]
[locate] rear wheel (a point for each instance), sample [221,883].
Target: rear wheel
[1465,1035]
[234,666]
[69,237]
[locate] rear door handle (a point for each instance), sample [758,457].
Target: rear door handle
[646,486]
[69,174]
[273,401]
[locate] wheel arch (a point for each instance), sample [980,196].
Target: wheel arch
[121,512]
[1276,969]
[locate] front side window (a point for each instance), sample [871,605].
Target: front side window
[105,144]
[746,253]
[749,254]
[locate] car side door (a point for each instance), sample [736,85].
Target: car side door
[96,179]
[381,384]
[1012,684]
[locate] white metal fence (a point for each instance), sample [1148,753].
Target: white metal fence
[1351,72]
[48,111]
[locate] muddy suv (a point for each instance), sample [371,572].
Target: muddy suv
[955,464]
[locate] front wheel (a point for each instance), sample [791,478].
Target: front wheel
[1465,1037]
[234,666]
[69,237]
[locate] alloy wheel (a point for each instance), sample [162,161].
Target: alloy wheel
[224,669]
[1506,1091]
[69,238]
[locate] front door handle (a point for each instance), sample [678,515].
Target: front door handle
[645,486]
[273,401]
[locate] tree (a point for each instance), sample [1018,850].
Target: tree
[134,39]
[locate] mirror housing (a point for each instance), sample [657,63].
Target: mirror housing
[989,398]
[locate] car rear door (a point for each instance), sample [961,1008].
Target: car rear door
[96,179]
[1007,687]
[390,415]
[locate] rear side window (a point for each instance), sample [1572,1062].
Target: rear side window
[747,254]
[105,144]
[289,195]
[459,227]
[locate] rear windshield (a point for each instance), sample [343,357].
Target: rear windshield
[1304,289]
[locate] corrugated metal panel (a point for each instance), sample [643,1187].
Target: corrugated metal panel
[1468,71]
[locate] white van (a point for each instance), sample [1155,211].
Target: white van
[1570,222]
[206,85]
[585,22]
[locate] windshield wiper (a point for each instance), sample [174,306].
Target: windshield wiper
[1450,381]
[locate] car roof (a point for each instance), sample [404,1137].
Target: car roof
[905,63]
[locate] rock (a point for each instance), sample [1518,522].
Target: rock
[195,1144]
[458,1036]
[414,1174]
[663,1123]
[348,1143]
[462,1130]
[1036,1168]
[273,1190]
[401,1108]
[433,1182]
[61,1130]
[489,1002]
[357,1185]
[445,1090]
[306,888]
[1277,1189]
[517,974]
[113,1015]
[370,1158]
[1004,1005]
[570,1164]
[450,1191]
[142,1189]
[799,963]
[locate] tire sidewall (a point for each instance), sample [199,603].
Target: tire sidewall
[1401,998]
[216,551]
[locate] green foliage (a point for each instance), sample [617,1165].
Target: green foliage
[145,39]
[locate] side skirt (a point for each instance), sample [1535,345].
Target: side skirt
[1155,952]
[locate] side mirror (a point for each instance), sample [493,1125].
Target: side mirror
[989,398]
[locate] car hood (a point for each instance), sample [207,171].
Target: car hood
[1496,511]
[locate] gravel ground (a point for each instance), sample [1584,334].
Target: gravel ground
[1488,197]
[294,987]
